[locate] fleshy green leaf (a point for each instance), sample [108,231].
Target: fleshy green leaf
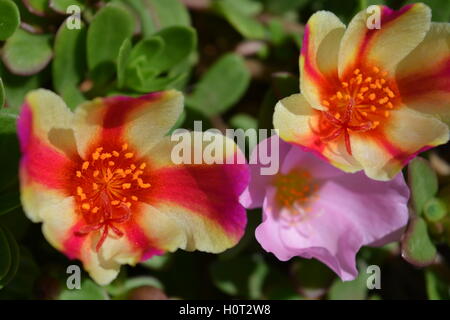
[157,262]
[69,64]
[122,60]
[282,6]
[417,247]
[145,53]
[2,94]
[423,183]
[435,209]
[238,17]
[25,53]
[243,121]
[9,18]
[89,291]
[61,6]
[221,86]
[179,42]
[15,259]
[119,290]
[167,13]
[107,31]
[350,290]
[38,7]
[437,288]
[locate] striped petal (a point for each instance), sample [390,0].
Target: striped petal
[424,82]
[296,122]
[196,206]
[408,132]
[399,33]
[48,151]
[319,56]
[141,122]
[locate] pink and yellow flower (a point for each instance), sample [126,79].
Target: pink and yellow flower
[314,210]
[102,182]
[371,99]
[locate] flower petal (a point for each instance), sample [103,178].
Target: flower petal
[424,82]
[400,32]
[319,56]
[274,149]
[141,121]
[295,120]
[196,206]
[405,134]
[48,150]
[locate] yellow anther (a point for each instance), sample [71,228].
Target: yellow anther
[390,105]
[386,114]
[364,89]
[94,186]
[85,165]
[126,186]
[95,156]
[142,166]
[345,84]
[79,190]
[128,204]
[95,209]
[128,171]
[99,149]
[115,154]
[384,73]
[129,155]
[372,96]
[324,102]
[85,206]
[373,108]
[111,163]
[132,167]
[124,146]
[134,198]
[364,113]
[368,79]
[105,156]
[356,72]
[375,69]
[337,116]
[79,174]
[96,173]
[382,81]
[142,184]
[383,100]
[339,95]
[115,202]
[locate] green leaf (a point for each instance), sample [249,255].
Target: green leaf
[313,277]
[122,60]
[61,6]
[243,276]
[25,53]
[15,259]
[243,121]
[435,209]
[9,18]
[69,64]
[239,18]
[89,291]
[423,183]
[179,42]
[145,53]
[38,7]
[107,31]
[2,94]
[9,201]
[437,287]
[167,13]
[440,9]
[5,253]
[119,290]
[350,290]
[157,262]
[221,86]
[417,247]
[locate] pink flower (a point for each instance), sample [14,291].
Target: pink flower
[313,210]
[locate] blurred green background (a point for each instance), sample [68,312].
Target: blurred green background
[234,59]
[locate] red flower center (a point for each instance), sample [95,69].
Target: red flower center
[108,184]
[361,102]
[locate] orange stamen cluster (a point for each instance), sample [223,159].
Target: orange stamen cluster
[363,100]
[108,184]
[295,189]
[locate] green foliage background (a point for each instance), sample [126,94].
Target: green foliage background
[234,59]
